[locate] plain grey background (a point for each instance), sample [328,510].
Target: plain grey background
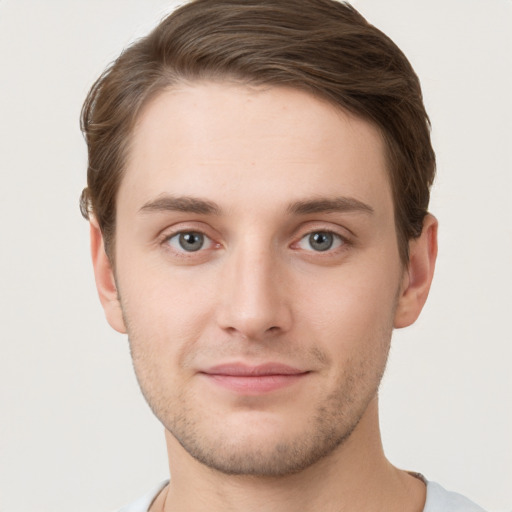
[75,433]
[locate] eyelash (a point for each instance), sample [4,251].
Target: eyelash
[166,240]
[338,241]
[342,242]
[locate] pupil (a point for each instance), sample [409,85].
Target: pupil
[191,241]
[321,241]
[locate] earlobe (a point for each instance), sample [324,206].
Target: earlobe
[418,274]
[105,282]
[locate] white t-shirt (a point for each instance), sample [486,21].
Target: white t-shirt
[438,500]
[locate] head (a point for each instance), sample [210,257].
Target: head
[258,185]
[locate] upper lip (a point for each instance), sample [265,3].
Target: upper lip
[246,370]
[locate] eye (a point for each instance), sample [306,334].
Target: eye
[189,241]
[321,241]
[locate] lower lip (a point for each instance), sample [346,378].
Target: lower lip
[255,384]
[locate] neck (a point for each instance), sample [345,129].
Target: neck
[356,476]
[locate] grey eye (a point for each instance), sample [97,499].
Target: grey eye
[320,241]
[191,241]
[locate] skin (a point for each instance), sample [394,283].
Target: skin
[256,172]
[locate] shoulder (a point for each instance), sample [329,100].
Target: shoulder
[441,500]
[144,502]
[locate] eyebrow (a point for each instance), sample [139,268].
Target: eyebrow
[199,206]
[326,205]
[181,204]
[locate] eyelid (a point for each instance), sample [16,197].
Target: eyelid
[185,227]
[307,228]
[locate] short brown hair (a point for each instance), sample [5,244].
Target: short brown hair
[324,47]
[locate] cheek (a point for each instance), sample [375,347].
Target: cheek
[164,323]
[164,310]
[351,304]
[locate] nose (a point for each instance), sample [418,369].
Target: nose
[254,299]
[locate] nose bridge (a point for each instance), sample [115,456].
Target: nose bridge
[253,302]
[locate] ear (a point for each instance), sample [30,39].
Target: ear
[105,282]
[418,274]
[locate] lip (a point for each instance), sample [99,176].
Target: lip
[254,380]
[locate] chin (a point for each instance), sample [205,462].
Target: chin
[259,448]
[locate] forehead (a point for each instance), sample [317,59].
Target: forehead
[233,141]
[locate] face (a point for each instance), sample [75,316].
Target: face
[258,272]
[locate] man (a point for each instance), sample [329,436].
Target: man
[258,186]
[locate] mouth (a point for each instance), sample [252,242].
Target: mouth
[254,380]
